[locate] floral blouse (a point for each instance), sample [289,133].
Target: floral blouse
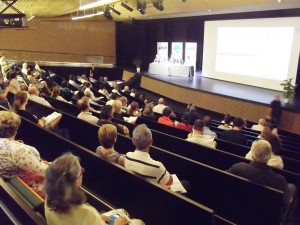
[17,159]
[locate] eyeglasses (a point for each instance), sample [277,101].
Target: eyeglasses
[81,172]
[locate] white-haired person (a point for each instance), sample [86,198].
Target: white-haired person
[65,201]
[17,158]
[258,171]
[260,126]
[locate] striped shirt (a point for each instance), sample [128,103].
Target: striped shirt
[142,164]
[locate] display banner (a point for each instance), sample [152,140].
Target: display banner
[162,50]
[191,54]
[177,49]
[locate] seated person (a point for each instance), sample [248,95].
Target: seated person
[226,123]
[148,112]
[206,129]
[17,158]
[65,201]
[258,171]
[85,114]
[123,99]
[105,118]
[165,118]
[235,135]
[113,96]
[56,94]
[107,135]
[133,92]
[92,96]
[34,96]
[185,122]
[192,111]
[198,137]
[13,83]
[141,162]
[72,82]
[20,102]
[134,109]
[126,90]
[117,109]
[260,126]
[65,92]
[104,92]
[3,93]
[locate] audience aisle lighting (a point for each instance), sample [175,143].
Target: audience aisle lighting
[107,13]
[112,9]
[87,15]
[126,6]
[141,6]
[158,4]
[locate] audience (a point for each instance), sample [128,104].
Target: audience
[56,94]
[260,126]
[134,109]
[114,96]
[259,172]
[85,114]
[103,91]
[65,201]
[105,118]
[198,137]
[72,82]
[13,83]
[65,92]
[165,118]
[235,135]
[19,105]
[190,109]
[148,112]
[117,109]
[123,99]
[140,160]
[206,129]
[34,96]
[226,122]
[17,158]
[185,122]
[160,106]
[107,135]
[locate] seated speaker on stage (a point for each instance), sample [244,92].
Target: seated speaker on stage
[159,59]
[176,60]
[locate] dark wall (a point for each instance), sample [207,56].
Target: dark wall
[140,37]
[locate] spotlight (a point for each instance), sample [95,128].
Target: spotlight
[141,6]
[107,13]
[126,6]
[158,4]
[112,9]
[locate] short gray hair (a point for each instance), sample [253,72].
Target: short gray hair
[142,137]
[9,124]
[261,151]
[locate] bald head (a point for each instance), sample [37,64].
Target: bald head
[83,104]
[32,90]
[161,101]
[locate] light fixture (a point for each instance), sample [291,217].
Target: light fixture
[87,15]
[112,9]
[30,16]
[107,13]
[126,6]
[90,5]
[158,4]
[141,6]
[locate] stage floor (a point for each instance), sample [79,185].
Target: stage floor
[229,89]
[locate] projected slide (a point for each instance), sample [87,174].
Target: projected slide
[257,52]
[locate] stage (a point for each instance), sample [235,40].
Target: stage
[228,89]
[223,97]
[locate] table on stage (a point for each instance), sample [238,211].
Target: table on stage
[171,69]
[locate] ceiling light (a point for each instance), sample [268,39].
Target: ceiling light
[107,13]
[126,6]
[141,6]
[90,5]
[30,18]
[112,9]
[87,15]
[158,4]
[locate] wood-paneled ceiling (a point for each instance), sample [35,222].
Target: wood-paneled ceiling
[172,8]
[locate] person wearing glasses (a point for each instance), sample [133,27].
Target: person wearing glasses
[65,201]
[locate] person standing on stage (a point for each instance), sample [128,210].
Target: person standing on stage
[275,110]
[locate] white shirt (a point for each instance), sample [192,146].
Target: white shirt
[275,160]
[40,100]
[159,108]
[257,127]
[87,116]
[141,163]
[205,140]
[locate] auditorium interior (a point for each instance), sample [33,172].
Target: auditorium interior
[103,37]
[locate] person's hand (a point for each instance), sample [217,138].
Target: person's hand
[121,221]
[105,219]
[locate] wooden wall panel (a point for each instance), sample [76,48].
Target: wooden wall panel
[250,110]
[60,40]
